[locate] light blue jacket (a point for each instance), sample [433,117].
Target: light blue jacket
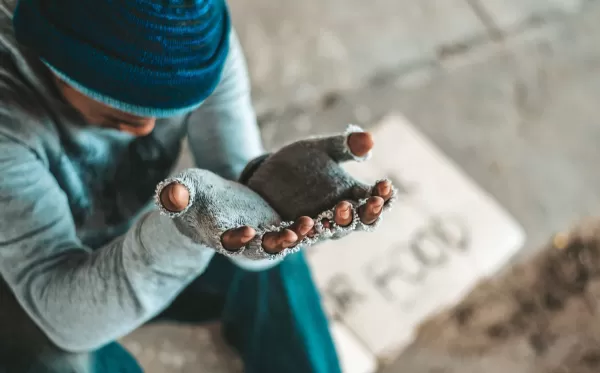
[80,247]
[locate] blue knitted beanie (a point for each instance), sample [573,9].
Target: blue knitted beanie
[146,57]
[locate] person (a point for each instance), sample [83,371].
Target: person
[96,99]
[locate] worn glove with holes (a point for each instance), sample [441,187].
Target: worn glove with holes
[306,178]
[217,205]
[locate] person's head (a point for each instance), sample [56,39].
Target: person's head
[124,63]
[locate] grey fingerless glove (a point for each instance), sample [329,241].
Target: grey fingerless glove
[305,179]
[217,205]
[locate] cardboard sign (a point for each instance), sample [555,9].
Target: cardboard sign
[443,235]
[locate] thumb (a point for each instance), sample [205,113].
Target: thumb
[360,143]
[354,144]
[175,197]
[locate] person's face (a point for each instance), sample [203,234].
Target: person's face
[96,113]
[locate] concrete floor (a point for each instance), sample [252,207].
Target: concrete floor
[516,110]
[508,89]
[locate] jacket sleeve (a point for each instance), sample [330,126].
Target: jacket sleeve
[223,134]
[79,298]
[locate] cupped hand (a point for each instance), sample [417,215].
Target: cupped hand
[175,198]
[305,178]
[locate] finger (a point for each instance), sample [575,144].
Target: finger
[175,197]
[235,239]
[274,242]
[360,143]
[370,211]
[302,227]
[354,144]
[383,189]
[343,214]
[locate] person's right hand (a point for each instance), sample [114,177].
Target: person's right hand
[306,177]
[228,216]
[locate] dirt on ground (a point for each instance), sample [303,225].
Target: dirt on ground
[540,315]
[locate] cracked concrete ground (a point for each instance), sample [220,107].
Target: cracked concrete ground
[508,89]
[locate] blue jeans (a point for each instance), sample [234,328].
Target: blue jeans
[273,318]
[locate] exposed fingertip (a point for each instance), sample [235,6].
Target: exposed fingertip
[344,205]
[175,197]
[235,239]
[343,213]
[370,211]
[245,239]
[305,228]
[376,204]
[247,232]
[377,209]
[360,143]
[376,200]
[228,245]
[384,188]
[269,243]
[305,221]
[289,235]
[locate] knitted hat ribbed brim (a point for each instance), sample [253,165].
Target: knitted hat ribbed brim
[146,57]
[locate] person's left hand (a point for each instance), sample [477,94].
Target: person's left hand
[305,179]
